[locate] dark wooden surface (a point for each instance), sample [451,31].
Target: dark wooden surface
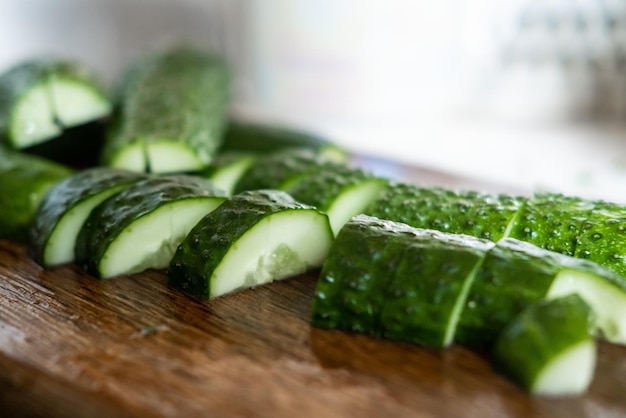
[73,346]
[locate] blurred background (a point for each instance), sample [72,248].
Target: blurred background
[526,93]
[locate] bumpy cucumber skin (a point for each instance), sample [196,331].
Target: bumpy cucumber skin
[389,280]
[111,217]
[210,240]
[24,181]
[602,238]
[181,95]
[539,334]
[350,291]
[69,192]
[320,189]
[260,139]
[30,74]
[277,170]
[471,213]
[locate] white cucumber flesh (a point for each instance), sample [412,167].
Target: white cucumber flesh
[150,241]
[157,156]
[281,245]
[74,104]
[33,118]
[353,201]
[570,373]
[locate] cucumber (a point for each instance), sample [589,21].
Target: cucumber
[460,212]
[65,208]
[24,181]
[228,168]
[254,238]
[516,274]
[281,170]
[171,113]
[388,279]
[140,227]
[547,348]
[340,191]
[262,138]
[40,98]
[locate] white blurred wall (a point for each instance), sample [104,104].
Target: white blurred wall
[530,93]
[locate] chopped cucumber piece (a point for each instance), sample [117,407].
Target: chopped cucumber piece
[24,181]
[63,211]
[172,113]
[340,191]
[39,99]
[388,279]
[547,348]
[254,238]
[141,226]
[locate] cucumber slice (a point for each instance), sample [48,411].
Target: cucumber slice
[340,191]
[38,99]
[65,208]
[24,181]
[466,212]
[388,279]
[259,138]
[140,227]
[254,238]
[281,170]
[547,348]
[172,113]
[228,169]
[516,274]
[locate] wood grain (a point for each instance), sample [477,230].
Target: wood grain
[71,345]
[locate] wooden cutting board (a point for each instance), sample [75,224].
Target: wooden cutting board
[73,346]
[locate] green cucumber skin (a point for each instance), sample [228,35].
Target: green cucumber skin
[350,291]
[68,193]
[277,170]
[471,213]
[260,139]
[389,280]
[181,95]
[320,189]
[538,334]
[210,240]
[111,217]
[22,77]
[24,181]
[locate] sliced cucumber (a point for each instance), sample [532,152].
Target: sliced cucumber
[516,274]
[465,212]
[263,138]
[172,113]
[24,181]
[63,211]
[281,170]
[140,227]
[547,348]
[340,191]
[228,168]
[38,99]
[254,238]
[388,279]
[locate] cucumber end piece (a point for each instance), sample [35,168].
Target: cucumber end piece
[32,119]
[280,246]
[74,103]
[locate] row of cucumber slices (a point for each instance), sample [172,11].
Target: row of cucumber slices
[517,275]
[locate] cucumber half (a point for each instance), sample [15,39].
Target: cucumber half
[547,348]
[39,99]
[254,238]
[65,208]
[171,113]
[140,227]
